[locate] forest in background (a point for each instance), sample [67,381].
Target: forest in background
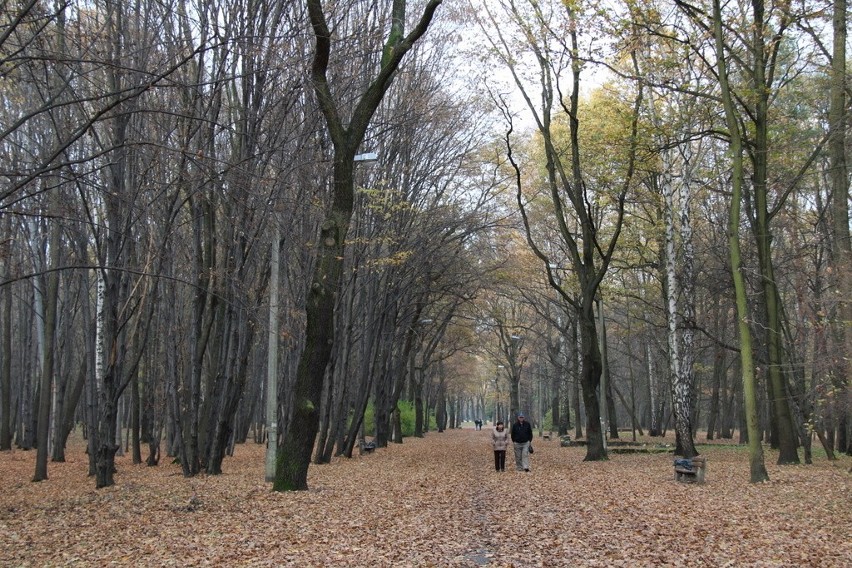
[630,217]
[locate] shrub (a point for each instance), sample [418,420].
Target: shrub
[406,418]
[548,421]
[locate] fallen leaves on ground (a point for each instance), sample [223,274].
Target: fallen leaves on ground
[434,501]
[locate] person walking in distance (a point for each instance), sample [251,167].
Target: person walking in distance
[499,441]
[522,435]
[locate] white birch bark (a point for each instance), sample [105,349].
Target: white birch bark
[687,263]
[681,388]
[679,338]
[671,271]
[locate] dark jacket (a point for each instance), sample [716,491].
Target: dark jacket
[522,432]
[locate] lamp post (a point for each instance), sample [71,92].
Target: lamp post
[366,157]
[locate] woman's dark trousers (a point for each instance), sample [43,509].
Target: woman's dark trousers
[500,460]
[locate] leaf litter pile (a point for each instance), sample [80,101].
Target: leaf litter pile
[434,501]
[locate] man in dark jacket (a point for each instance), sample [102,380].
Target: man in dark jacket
[522,435]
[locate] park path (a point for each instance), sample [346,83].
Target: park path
[433,501]
[477,516]
[443,488]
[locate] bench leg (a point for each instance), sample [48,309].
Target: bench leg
[686,477]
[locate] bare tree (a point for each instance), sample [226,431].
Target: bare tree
[587,235]
[758,468]
[346,136]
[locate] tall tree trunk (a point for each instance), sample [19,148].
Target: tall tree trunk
[575,377]
[382,407]
[681,390]
[92,342]
[115,249]
[687,387]
[757,465]
[271,410]
[783,423]
[50,309]
[419,407]
[719,372]
[441,404]
[65,418]
[153,402]
[635,421]
[656,396]
[6,424]
[135,420]
[297,444]
[590,379]
[558,392]
[610,417]
[366,371]
[232,370]
[839,174]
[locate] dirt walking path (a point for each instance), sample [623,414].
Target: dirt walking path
[434,501]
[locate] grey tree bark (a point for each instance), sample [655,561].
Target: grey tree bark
[6,345]
[298,443]
[838,120]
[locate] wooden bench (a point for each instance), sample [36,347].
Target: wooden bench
[690,470]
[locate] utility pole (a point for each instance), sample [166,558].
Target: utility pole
[272,361]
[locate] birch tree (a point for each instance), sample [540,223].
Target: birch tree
[763,54]
[675,140]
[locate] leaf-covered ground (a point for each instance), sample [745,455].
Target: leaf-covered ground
[434,501]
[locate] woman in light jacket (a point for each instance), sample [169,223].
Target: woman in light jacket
[499,441]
